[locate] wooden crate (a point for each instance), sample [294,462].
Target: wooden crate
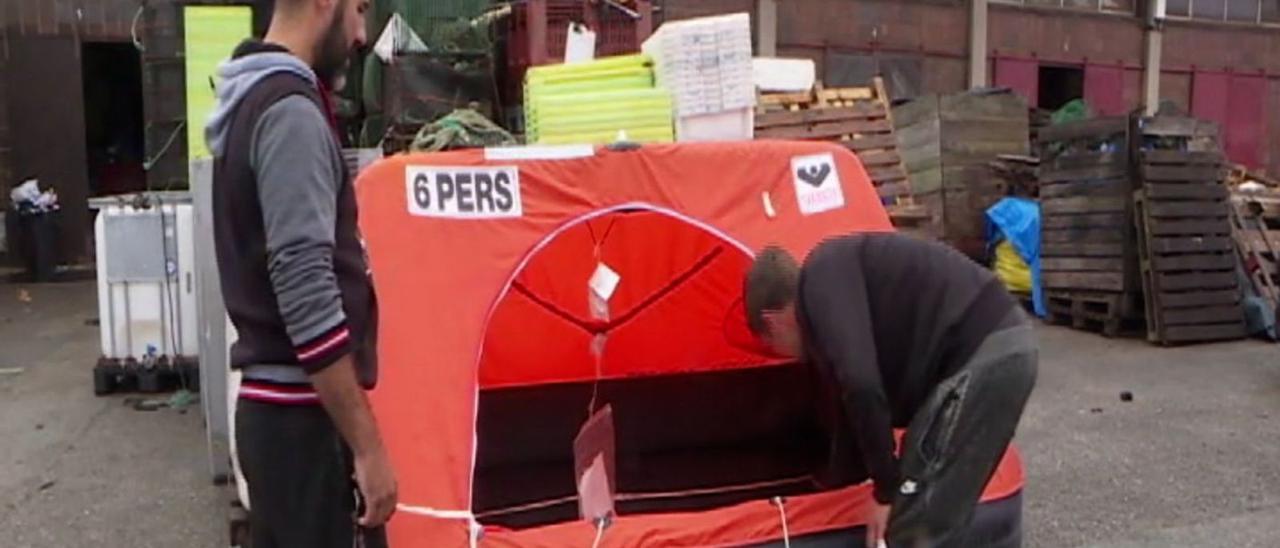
[858,118]
[1188,257]
[1088,246]
[948,144]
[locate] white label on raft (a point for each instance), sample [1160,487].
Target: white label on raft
[604,282]
[538,152]
[472,192]
[818,186]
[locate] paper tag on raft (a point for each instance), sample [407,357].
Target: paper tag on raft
[604,281]
[593,463]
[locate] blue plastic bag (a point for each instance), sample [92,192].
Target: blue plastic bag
[1018,220]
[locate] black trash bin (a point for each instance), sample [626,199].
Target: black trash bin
[33,238]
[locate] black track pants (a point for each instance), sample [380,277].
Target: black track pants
[301,493]
[955,442]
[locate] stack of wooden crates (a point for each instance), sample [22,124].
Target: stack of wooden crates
[1089,266]
[858,118]
[948,143]
[1183,218]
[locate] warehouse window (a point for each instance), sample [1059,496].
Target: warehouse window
[1235,11]
[1242,10]
[1271,11]
[1116,6]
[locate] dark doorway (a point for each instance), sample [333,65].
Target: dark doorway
[113,118]
[1060,85]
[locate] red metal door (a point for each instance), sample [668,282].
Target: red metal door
[1104,89]
[1238,104]
[1209,96]
[1246,119]
[1020,75]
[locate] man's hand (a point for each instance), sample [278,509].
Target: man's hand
[346,404]
[877,524]
[377,484]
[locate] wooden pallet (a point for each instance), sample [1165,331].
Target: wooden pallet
[1255,228]
[1087,232]
[1111,314]
[1188,258]
[858,118]
[914,220]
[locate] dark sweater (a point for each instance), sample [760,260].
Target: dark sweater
[888,317]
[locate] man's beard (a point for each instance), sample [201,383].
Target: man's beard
[334,55]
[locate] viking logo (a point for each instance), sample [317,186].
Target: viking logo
[817,183]
[814,175]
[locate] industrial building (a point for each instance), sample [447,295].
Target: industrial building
[92,93]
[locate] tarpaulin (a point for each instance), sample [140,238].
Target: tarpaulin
[1018,221]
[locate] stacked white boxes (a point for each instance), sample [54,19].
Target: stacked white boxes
[706,65]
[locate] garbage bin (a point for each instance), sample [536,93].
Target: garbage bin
[33,238]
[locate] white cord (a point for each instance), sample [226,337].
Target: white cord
[782,511]
[148,164]
[133,30]
[599,533]
[475,530]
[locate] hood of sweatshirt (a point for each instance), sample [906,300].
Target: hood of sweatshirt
[252,62]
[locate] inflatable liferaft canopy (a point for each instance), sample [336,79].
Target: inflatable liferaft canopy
[521,288]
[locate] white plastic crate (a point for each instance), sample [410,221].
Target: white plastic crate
[705,63]
[729,125]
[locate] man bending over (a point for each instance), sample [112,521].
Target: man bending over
[914,335]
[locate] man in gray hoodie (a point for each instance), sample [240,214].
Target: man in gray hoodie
[296,285]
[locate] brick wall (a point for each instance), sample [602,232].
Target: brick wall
[1065,36]
[934,33]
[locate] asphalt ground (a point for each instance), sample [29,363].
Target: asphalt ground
[1192,460]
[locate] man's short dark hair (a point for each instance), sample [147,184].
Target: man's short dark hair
[771,284]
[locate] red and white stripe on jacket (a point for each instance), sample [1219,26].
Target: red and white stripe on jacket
[324,345]
[279,394]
